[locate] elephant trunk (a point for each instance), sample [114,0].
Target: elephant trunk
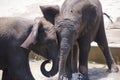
[67,38]
[64,52]
[53,70]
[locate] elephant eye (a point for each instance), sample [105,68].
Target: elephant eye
[41,35]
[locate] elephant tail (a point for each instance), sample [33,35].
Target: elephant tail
[108,16]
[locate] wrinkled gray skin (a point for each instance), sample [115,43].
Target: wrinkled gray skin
[17,37]
[79,21]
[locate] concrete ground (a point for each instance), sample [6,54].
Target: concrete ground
[96,72]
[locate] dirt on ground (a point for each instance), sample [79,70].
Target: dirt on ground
[96,72]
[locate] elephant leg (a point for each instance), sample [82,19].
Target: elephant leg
[71,64]
[84,46]
[18,65]
[74,62]
[5,75]
[74,58]
[103,44]
[68,68]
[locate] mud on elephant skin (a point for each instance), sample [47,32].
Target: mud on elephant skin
[79,21]
[17,37]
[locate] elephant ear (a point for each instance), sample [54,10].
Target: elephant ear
[50,12]
[31,39]
[89,13]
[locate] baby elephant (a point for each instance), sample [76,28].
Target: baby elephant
[79,21]
[17,37]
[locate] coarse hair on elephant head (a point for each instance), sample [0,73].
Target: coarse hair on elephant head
[79,21]
[43,40]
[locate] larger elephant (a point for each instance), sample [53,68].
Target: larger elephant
[17,37]
[79,21]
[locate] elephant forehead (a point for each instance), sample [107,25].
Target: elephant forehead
[65,21]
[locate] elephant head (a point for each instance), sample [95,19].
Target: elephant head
[43,41]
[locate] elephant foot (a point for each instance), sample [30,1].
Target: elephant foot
[69,77]
[113,69]
[75,76]
[63,77]
[82,77]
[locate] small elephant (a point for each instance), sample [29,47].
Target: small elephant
[79,21]
[17,37]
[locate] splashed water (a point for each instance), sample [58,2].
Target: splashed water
[75,76]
